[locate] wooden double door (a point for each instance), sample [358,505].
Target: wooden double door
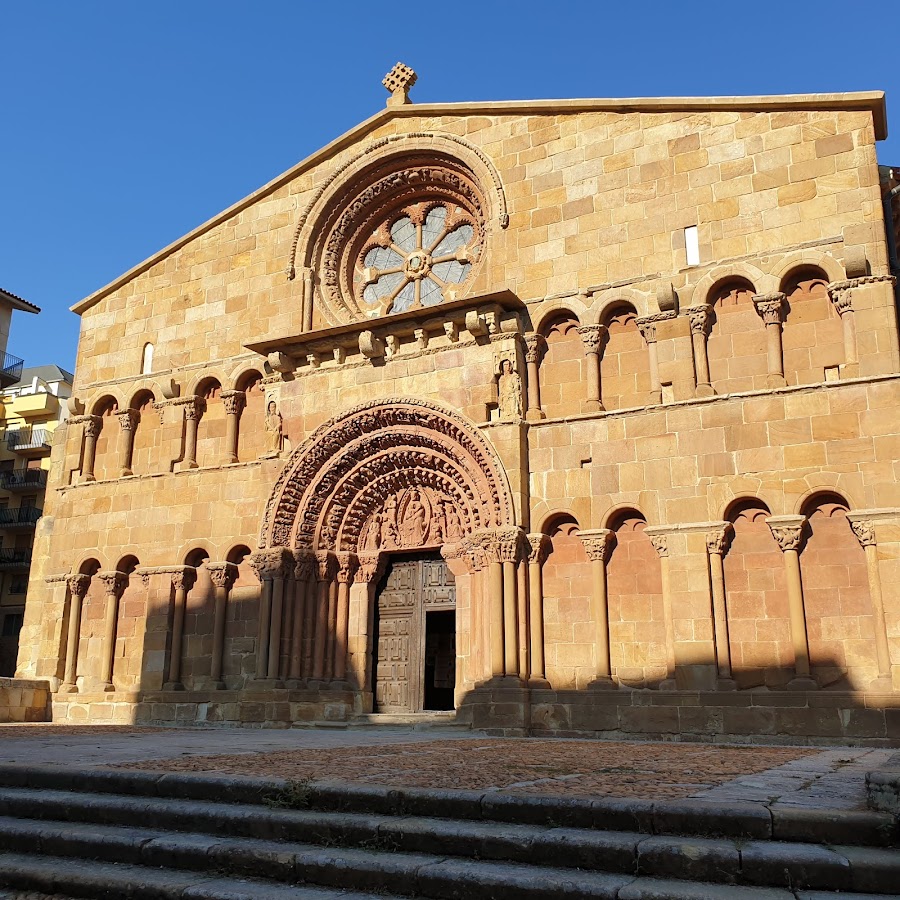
[415,628]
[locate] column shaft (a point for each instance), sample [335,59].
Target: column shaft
[295,669]
[341,631]
[797,613]
[720,614]
[495,589]
[177,636]
[536,619]
[128,421]
[78,587]
[848,323]
[534,390]
[774,352]
[522,618]
[321,630]
[882,648]
[600,615]
[275,621]
[262,640]
[219,618]
[510,620]
[331,629]
[701,360]
[593,381]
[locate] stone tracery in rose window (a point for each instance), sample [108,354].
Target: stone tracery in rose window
[417,257]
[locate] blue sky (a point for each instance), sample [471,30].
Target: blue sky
[127,124]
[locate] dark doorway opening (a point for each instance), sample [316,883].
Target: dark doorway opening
[440,659]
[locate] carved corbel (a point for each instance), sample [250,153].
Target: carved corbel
[281,362]
[392,346]
[666,298]
[421,336]
[340,354]
[476,325]
[370,346]
[451,329]
[314,360]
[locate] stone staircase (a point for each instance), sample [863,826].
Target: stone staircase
[115,833]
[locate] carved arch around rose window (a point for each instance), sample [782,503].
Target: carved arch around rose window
[388,475]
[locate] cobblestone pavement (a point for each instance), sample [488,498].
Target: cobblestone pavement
[572,767]
[796,776]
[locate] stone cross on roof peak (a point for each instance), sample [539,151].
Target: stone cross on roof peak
[399,81]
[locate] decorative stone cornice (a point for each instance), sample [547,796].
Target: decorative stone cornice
[539,547]
[597,543]
[593,337]
[788,531]
[771,307]
[719,539]
[222,574]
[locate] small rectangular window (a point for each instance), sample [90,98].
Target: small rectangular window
[692,245]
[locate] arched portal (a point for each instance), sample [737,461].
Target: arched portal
[393,474]
[373,507]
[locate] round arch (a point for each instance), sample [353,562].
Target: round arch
[389,474]
[605,301]
[808,259]
[762,283]
[549,310]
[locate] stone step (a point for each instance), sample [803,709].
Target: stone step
[441,880]
[699,817]
[392,856]
[88,879]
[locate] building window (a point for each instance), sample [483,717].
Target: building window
[18,586]
[416,258]
[147,359]
[692,245]
[12,624]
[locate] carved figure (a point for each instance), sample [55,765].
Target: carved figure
[509,391]
[373,536]
[414,521]
[389,533]
[454,529]
[274,428]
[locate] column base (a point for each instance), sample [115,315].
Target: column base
[186,466]
[265,684]
[775,381]
[803,683]
[125,473]
[535,415]
[881,684]
[67,687]
[173,686]
[704,390]
[87,479]
[726,684]
[230,460]
[603,683]
[539,683]
[593,406]
[107,688]
[668,684]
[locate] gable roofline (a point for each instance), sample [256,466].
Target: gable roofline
[17,302]
[870,101]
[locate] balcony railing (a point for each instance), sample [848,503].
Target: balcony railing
[25,440]
[23,480]
[10,369]
[11,558]
[23,517]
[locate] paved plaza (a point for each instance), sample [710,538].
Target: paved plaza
[810,777]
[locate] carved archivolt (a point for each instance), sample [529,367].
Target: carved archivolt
[387,475]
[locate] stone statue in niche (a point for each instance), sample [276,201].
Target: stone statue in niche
[274,429]
[509,392]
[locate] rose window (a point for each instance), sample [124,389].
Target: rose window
[416,258]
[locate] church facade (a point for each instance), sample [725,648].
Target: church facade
[574,417]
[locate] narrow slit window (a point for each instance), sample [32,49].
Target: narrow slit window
[692,245]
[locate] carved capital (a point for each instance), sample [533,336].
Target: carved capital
[502,544]
[234,401]
[222,574]
[326,565]
[194,407]
[114,582]
[269,564]
[719,540]
[660,544]
[371,566]
[700,318]
[347,564]
[128,419]
[535,345]
[539,548]
[183,578]
[770,307]
[865,533]
[78,585]
[597,543]
[593,337]
[93,425]
[788,531]
[647,328]
[305,566]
